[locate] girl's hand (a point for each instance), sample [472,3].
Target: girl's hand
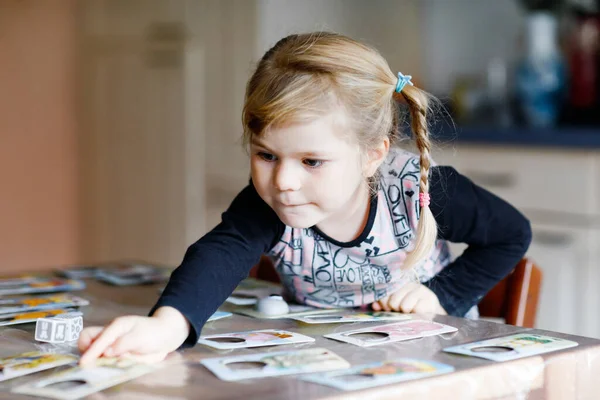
[146,339]
[411,298]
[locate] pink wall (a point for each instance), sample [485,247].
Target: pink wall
[38,148]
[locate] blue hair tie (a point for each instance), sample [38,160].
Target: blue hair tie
[402,81]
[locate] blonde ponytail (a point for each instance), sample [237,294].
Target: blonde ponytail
[418,104]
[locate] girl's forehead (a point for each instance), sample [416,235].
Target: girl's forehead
[330,128]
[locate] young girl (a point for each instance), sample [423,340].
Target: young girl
[347,219]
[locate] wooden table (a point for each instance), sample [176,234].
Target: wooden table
[567,374]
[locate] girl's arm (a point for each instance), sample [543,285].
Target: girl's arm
[497,234]
[214,265]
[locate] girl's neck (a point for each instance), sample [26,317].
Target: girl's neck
[349,222]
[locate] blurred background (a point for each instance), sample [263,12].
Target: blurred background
[120,120]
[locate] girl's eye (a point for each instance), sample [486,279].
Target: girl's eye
[266,156]
[312,163]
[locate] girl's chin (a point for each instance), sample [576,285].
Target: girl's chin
[297,221]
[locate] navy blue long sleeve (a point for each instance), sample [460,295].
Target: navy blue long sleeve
[497,234]
[214,265]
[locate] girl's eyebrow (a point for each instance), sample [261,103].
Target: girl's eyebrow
[259,143]
[307,153]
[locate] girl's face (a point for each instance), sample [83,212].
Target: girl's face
[309,173]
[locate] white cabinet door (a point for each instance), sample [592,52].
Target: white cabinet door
[142,153]
[564,256]
[530,179]
[589,296]
[163,87]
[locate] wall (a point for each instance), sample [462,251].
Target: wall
[389,25]
[38,163]
[463,36]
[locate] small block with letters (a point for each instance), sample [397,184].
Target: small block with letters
[62,328]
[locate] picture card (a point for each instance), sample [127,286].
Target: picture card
[266,337]
[21,280]
[250,290]
[390,333]
[512,347]
[133,274]
[78,271]
[296,310]
[31,362]
[77,382]
[39,285]
[339,318]
[219,315]
[379,374]
[36,303]
[263,365]
[28,317]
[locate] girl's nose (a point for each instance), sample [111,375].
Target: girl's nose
[287,178]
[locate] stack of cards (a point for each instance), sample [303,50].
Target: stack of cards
[125,274]
[78,272]
[379,373]
[38,284]
[512,347]
[266,337]
[390,333]
[28,317]
[263,365]
[36,303]
[22,310]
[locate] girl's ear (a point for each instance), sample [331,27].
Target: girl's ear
[376,156]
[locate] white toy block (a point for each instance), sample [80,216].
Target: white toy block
[59,329]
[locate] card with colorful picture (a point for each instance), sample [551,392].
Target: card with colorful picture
[78,271]
[37,303]
[20,280]
[266,337]
[77,382]
[28,317]
[30,285]
[379,374]
[125,274]
[344,317]
[31,362]
[251,296]
[250,290]
[296,310]
[390,333]
[219,315]
[512,347]
[263,365]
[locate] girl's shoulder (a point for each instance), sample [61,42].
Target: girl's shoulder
[399,163]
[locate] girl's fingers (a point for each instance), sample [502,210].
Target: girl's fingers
[384,303]
[87,336]
[423,306]
[397,298]
[409,301]
[104,340]
[124,344]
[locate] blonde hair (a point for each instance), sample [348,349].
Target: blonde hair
[307,76]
